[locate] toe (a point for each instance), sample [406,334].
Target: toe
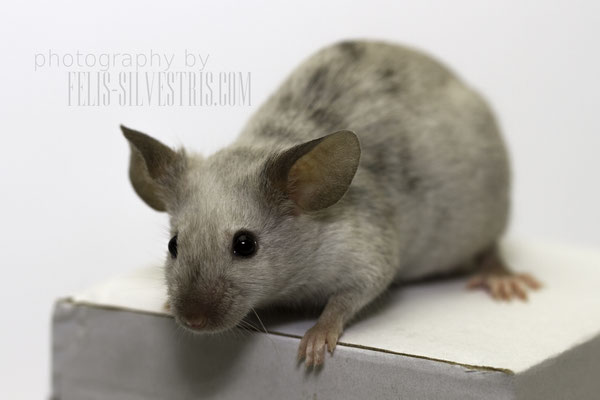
[504,289]
[302,348]
[332,338]
[494,286]
[310,352]
[530,281]
[319,350]
[518,290]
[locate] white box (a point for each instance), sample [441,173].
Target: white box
[431,340]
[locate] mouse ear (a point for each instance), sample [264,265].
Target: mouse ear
[153,168]
[316,174]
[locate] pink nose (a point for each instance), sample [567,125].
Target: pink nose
[197,321]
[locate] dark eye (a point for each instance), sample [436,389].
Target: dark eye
[173,246]
[244,244]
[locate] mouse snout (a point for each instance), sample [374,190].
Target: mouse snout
[196,319]
[203,308]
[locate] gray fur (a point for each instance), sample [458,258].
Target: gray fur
[430,193]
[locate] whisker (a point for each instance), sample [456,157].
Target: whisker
[267,332]
[259,320]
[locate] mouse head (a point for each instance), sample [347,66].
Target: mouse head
[244,221]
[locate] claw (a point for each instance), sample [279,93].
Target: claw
[332,339]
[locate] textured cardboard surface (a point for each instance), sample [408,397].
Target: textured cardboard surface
[122,355]
[428,340]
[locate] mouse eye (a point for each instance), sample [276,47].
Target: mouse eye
[173,246]
[244,244]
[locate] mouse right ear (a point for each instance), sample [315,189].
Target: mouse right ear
[153,168]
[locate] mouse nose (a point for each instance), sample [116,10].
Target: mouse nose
[198,321]
[197,314]
[202,307]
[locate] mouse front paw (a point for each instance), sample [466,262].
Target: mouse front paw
[312,345]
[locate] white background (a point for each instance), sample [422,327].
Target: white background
[71,219]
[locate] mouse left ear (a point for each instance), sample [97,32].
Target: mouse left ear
[316,174]
[153,168]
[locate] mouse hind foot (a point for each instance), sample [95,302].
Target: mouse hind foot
[496,277]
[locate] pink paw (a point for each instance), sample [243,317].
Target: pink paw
[312,345]
[505,286]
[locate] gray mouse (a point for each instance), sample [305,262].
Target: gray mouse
[371,164]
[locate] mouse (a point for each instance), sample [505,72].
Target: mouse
[372,163]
